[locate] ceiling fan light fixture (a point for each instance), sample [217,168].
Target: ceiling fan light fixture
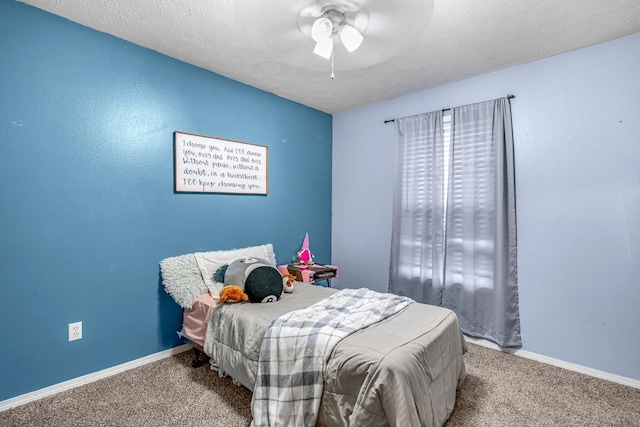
[324,47]
[321,30]
[351,38]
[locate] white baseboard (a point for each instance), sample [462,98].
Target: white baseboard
[559,363]
[89,378]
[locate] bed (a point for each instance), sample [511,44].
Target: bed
[400,371]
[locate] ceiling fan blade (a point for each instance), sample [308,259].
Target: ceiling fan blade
[307,16]
[311,11]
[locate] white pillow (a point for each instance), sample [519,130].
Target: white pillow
[210,262]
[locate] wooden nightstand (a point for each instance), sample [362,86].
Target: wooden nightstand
[311,273]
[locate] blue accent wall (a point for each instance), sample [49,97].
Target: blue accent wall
[87,207]
[577,162]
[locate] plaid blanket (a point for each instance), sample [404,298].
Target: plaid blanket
[296,347]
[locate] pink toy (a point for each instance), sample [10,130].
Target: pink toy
[304,254]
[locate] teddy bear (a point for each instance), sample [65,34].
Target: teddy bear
[287,282]
[233,294]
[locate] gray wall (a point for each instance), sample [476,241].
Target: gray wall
[577,146]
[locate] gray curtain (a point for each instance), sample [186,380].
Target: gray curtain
[417,256]
[454,221]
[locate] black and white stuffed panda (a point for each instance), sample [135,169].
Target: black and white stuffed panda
[257,277]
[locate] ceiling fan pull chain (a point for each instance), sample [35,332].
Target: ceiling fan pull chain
[331,65]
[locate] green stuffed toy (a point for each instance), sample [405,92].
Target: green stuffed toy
[257,277]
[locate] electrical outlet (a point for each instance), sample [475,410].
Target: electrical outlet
[75,331]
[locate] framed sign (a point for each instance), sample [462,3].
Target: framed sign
[205,164]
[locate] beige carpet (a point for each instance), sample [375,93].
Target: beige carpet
[500,390]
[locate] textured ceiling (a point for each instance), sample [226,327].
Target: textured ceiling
[409,45]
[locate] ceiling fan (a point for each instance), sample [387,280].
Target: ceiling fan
[356,33]
[332,23]
[327,22]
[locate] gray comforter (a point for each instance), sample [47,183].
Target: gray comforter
[402,371]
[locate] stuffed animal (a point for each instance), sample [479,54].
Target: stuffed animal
[233,294]
[287,282]
[260,280]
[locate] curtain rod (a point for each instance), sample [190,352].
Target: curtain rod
[445,109]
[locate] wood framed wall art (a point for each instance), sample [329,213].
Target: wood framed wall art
[205,164]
